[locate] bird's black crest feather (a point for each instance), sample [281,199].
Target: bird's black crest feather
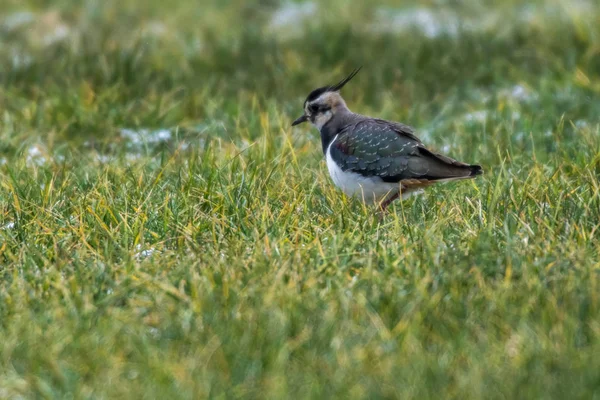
[331,88]
[345,80]
[317,92]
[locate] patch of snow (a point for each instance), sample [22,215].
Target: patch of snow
[427,21]
[518,93]
[17,19]
[155,28]
[154,332]
[49,29]
[59,33]
[20,59]
[103,158]
[36,156]
[147,136]
[476,116]
[436,22]
[9,225]
[194,47]
[133,374]
[528,13]
[520,136]
[289,19]
[132,156]
[141,254]
[163,135]
[184,145]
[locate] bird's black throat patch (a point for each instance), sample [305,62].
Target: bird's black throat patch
[328,133]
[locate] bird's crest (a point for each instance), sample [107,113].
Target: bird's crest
[331,88]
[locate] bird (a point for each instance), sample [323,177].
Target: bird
[373,159]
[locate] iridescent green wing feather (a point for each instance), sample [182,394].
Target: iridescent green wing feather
[392,152]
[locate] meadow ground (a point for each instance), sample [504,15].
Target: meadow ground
[164,233]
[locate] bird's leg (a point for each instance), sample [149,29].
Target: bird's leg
[388,201]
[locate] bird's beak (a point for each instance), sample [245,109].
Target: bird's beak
[300,120]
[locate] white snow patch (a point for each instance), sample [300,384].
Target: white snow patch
[141,136]
[9,225]
[35,156]
[184,145]
[476,116]
[194,47]
[20,59]
[141,254]
[154,332]
[132,156]
[436,22]
[518,93]
[429,22]
[17,19]
[59,33]
[103,158]
[155,28]
[289,19]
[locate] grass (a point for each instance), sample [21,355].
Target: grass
[164,233]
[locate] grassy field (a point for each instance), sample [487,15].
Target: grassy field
[164,233]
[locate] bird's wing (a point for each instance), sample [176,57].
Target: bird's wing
[392,152]
[400,129]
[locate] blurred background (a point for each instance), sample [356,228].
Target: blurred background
[165,233]
[100,72]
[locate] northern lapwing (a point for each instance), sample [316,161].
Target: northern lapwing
[376,160]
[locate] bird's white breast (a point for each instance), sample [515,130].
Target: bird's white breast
[370,189]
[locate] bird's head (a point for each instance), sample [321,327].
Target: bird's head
[324,103]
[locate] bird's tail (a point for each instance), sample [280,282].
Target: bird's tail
[443,168]
[476,170]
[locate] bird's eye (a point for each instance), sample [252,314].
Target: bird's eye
[313,108]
